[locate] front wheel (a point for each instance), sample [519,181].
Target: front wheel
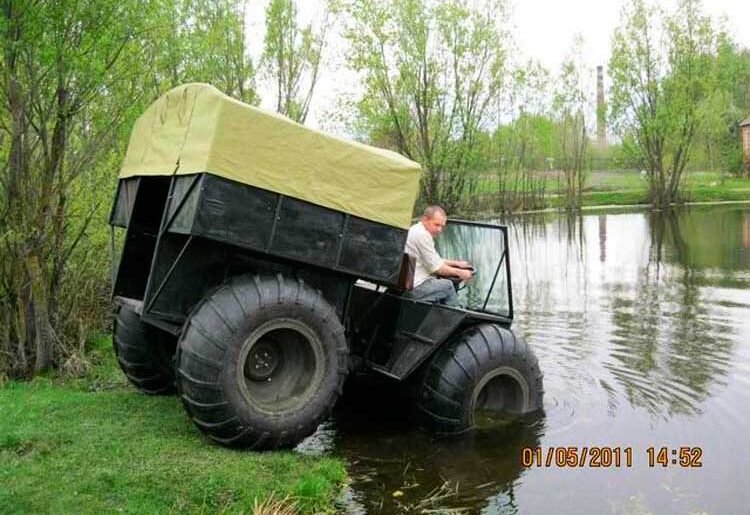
[487,370]
[261,362]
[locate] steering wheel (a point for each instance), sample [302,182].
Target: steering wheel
[458,284]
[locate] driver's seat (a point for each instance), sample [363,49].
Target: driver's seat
[406,274]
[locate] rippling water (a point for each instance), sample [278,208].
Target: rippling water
[641,323]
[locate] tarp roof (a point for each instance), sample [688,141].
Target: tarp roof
[195,128]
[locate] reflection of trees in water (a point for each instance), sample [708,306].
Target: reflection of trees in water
[575,236]
[717,237]
[668,347]
[524,230]
[531,236]
[530,229]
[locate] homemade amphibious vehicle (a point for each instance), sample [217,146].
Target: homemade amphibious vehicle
[263,262]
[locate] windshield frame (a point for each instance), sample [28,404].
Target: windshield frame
[503,259]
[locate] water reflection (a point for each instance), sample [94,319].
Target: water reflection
[640,322]
[701,238]
[398,469]
[667,347]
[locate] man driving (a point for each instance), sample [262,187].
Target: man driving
[431,270]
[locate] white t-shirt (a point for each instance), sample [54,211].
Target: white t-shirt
[421,245]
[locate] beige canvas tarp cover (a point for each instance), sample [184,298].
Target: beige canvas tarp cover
[196,128]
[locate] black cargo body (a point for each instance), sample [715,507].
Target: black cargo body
[188,233]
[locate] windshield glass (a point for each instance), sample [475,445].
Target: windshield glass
[484,246]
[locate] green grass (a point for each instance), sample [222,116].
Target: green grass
[95,445]
[629,188]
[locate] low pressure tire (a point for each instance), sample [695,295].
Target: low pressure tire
[145,353]
[261,362]
[485,369]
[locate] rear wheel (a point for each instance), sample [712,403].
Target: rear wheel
[261,362]
[484,372]
[145,353]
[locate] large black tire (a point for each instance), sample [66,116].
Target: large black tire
[261,362]
[487,368]
[145,353]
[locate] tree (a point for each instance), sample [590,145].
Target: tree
[430,71]
[570,105]
[291,58]
[214,37]
[728,103]
[73,77]
[660,68]
[59,59]
[525,144]
[198,41]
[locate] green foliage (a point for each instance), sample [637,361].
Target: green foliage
[525,143]
[66,89]
[727,105]
[213,42]
[292,57]
[605,188]
[74,76]
[570,106]
[196,41]
[430,70]
[661,74]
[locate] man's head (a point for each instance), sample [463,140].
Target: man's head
[434,219]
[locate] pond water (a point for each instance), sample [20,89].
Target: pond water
[641,323]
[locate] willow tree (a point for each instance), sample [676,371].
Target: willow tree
[291,57]
[59,60]
[430,72]
[569,106]
[214,41]
[73,77]
[660,71]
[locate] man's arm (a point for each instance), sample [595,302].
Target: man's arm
[457,263]
[447,270]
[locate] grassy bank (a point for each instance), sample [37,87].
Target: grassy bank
[95,445]
[626,188]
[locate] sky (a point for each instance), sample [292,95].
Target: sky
[543,30]
[548,37]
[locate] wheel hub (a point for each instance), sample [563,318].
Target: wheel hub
[283,365]
[262,362]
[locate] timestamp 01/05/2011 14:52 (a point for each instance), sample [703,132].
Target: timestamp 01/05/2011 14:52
[610,457]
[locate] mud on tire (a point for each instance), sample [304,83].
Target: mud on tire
[261,362]
[145,353]
[485,368]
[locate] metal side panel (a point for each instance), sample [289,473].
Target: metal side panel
[421,330]
[395,335]
[122,209]
[184,269]
[266,222]
[183,203]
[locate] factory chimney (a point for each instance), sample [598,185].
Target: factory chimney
[601,110]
